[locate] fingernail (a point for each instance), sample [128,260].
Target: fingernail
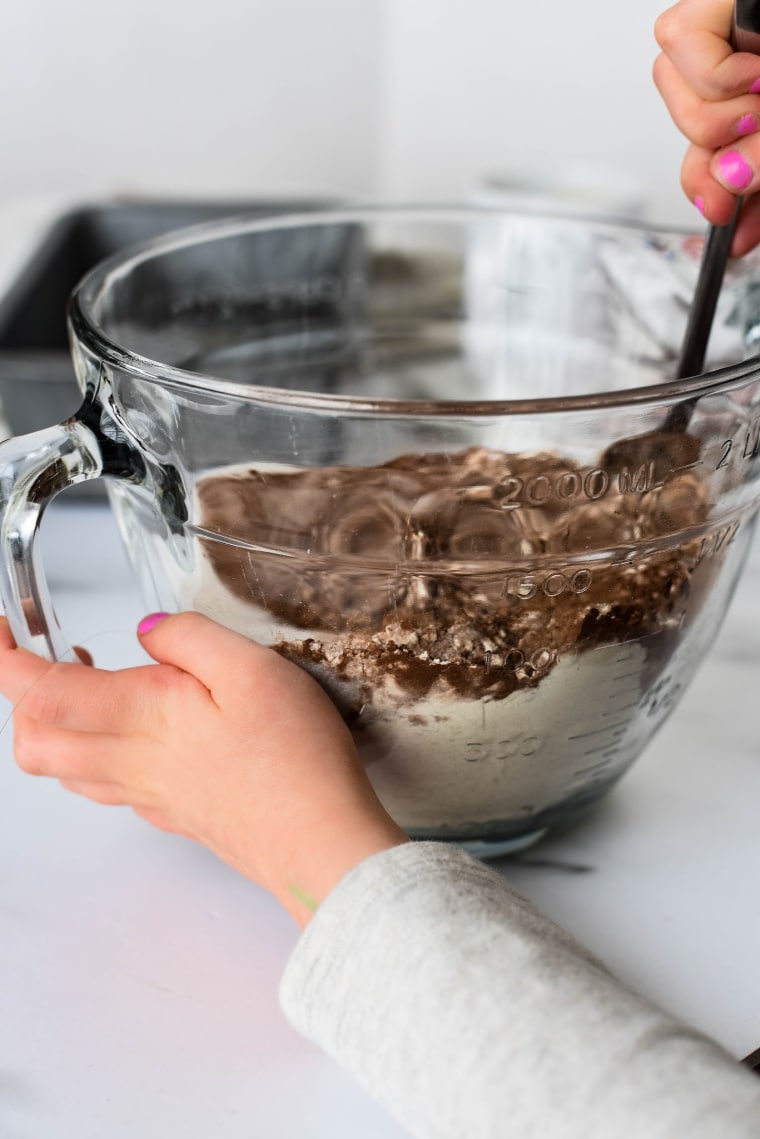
[150,622]
[734,170]
[755,88]
[700,204]
[747,124]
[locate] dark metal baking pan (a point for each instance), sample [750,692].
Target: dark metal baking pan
[37,384]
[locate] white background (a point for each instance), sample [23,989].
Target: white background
[392,99]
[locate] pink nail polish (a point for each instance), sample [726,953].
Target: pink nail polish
[734,170]
[755,88]
[700,204]
[746,125]
[150,622]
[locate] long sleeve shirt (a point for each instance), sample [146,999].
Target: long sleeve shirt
[469,1015]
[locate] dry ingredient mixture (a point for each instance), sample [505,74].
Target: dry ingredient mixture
[422,569]
[427,590]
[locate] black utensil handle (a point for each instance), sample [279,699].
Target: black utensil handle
[753,1061]
[704,303]
[745,31]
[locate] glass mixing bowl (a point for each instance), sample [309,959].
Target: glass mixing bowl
[434,458]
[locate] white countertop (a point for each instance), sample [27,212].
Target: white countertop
[138,975]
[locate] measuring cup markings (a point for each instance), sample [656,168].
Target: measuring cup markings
[752,441]
[591,484]
[501,750]
[592,768]
[627,675]
[713,543]
[687,467]
[642,480]
[709,545]
[620,708]
[606,741]
[750,446]
[605,750]
[514,491]
[554,584]
[662,696]
[606,730]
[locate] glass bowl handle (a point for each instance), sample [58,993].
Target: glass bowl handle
[33,469]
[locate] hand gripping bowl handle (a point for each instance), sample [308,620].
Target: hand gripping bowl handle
[34,468]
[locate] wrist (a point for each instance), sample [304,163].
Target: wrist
[333,850]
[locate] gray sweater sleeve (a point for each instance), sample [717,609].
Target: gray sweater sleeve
[468,1014]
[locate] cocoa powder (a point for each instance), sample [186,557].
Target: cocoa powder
[425,571]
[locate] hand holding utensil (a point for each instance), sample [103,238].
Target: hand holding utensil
[745,36]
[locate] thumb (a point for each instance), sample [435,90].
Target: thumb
[736,167]
[199,646]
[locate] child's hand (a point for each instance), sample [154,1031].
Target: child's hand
[713,95]
[222,741]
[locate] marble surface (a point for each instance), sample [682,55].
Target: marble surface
[138,975]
